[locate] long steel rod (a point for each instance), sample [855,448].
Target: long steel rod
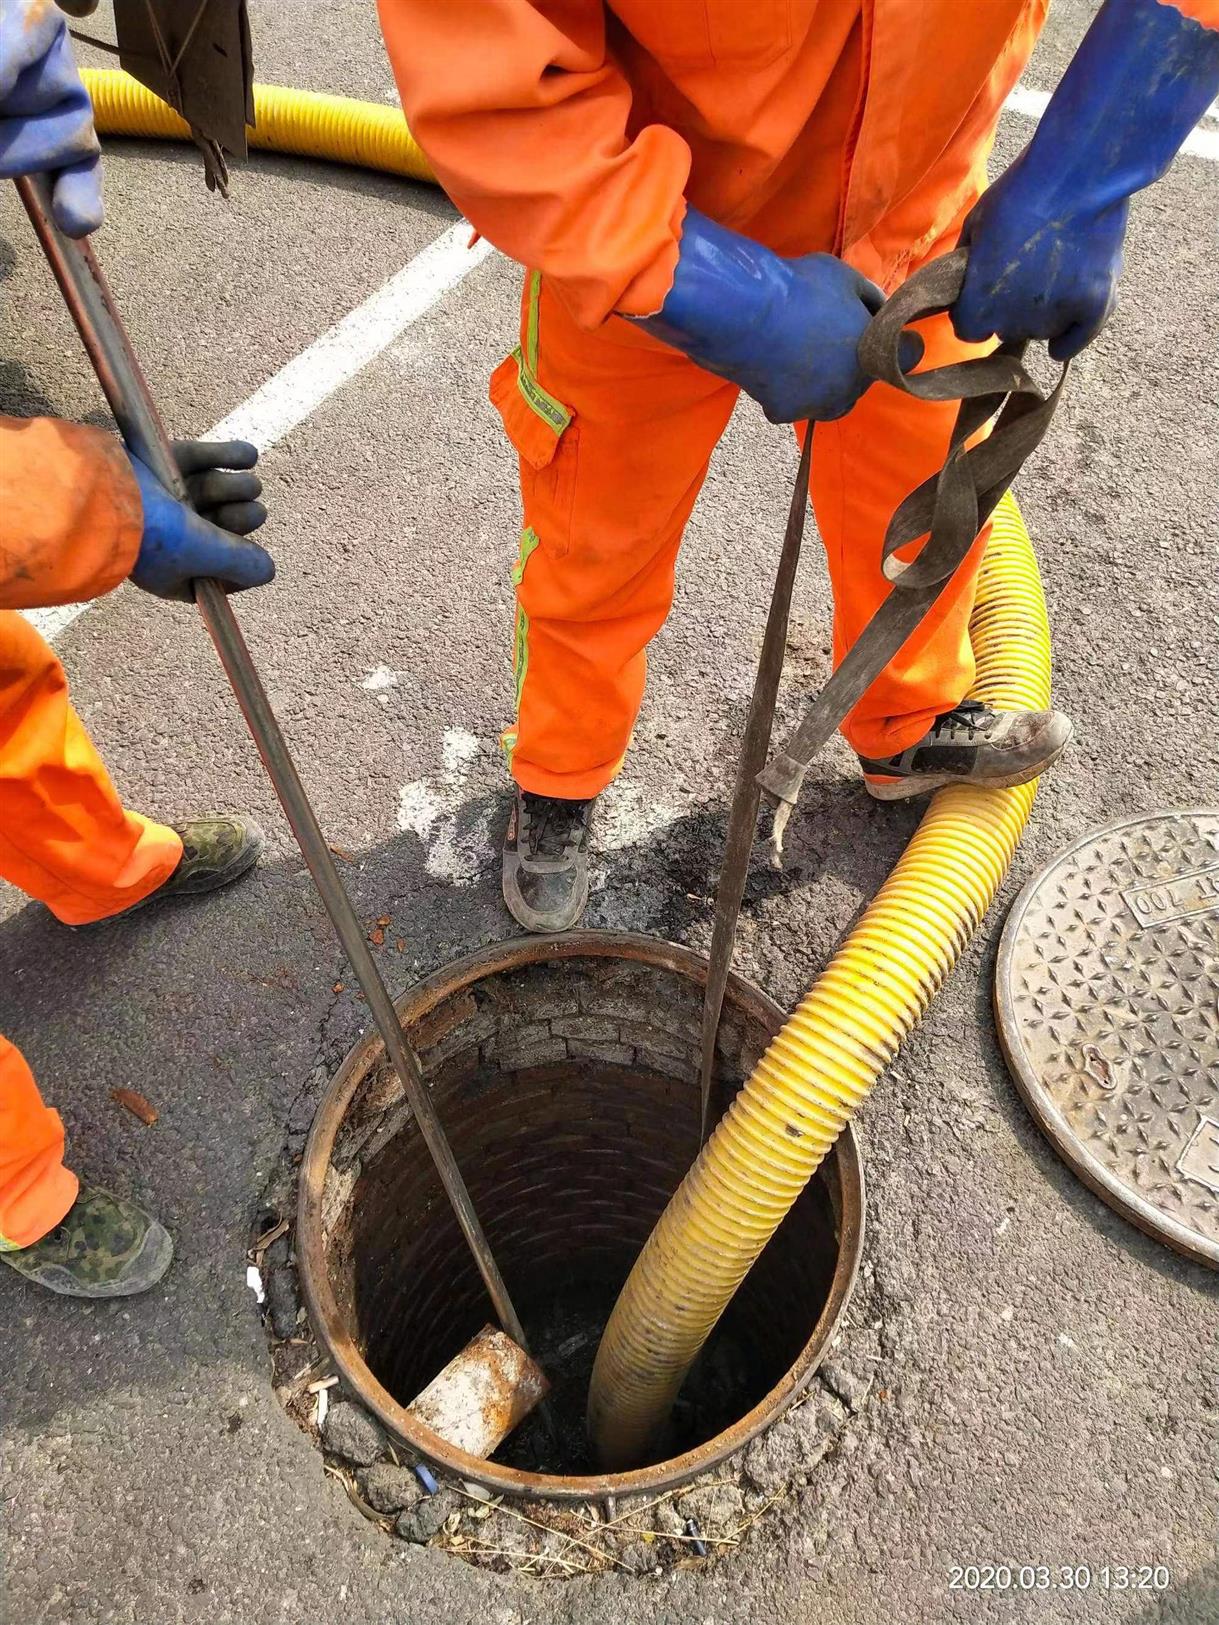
[92,309]
[743,818]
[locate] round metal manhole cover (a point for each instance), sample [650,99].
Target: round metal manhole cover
[1107,1000]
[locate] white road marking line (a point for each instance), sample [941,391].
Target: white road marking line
[332,360]
[300,387]
[457,845]
[1203,143]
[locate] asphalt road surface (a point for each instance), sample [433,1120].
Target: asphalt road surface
[1050,1372]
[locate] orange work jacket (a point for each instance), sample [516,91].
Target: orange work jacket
[571,132]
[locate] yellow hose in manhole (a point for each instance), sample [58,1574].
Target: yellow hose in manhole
[848,1028]
[844,1033]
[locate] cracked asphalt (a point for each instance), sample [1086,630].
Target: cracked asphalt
[1051,1374]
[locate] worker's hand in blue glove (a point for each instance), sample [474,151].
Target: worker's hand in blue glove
[221,483]
[1038,270]
[46,117]
[786,330]
[180,545]
[1045,242]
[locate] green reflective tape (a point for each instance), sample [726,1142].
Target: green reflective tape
[520,646]
[531,319]
[529,540]
[540,400]
[520,655]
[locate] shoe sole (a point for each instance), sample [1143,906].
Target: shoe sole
[540,924]
[924,784]
[148,1267]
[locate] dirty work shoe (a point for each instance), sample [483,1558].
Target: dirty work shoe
[971,744]
[104,1247]
[546,861]
[215,850]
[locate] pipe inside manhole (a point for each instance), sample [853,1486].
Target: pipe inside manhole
[565,1072]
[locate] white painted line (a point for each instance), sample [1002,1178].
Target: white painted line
[300,387]
[332,360]
[1202,143]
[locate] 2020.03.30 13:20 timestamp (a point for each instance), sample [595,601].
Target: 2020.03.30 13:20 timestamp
[1059,1577]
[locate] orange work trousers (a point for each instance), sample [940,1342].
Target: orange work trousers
[66,839]
[614,432]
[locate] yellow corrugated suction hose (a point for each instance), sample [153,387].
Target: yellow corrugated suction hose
[824,1061]
[296,121]
[849,1027]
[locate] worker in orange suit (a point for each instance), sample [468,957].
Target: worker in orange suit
[78,515]
[713,197]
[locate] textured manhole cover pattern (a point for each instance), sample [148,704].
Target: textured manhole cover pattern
[1107,998]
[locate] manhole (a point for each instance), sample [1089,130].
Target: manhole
[1107,999]
[565,1072]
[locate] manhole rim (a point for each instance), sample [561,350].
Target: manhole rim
[1115,1193]
[328,1325]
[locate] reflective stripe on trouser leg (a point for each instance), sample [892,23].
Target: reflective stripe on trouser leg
[608,499]
[520,647]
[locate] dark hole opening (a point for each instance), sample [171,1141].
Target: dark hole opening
[569,1164]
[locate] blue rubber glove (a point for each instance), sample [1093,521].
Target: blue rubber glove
[46,117]
[179,545]
[1045,241]
[786,330]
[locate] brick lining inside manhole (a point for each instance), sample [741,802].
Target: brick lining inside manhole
[568,1088]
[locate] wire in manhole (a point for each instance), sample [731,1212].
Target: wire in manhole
[565,1074]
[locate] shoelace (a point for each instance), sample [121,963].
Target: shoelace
[552,826]
[971,715]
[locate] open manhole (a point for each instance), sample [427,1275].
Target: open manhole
[565,1073]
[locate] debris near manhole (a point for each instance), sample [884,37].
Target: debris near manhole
[351,1433]
[427,1518]
[137,1104]
[260,1245]
[390,1490]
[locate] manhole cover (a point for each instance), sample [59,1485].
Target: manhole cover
[1107,999]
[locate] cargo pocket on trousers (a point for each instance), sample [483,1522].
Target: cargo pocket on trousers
[547,442]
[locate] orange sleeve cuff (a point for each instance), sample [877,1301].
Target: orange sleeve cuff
[70,513]
[528,121]
[1205,12]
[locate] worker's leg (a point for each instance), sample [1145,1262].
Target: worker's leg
[863,466]
[613,431]
[69,1238]
[65,837]
[36,1190]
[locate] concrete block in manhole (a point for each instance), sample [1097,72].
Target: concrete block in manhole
[565,1072]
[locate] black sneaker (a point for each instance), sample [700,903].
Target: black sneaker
[971,744]
[546,861]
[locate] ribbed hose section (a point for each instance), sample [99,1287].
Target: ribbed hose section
[824,1061]
[302,122]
